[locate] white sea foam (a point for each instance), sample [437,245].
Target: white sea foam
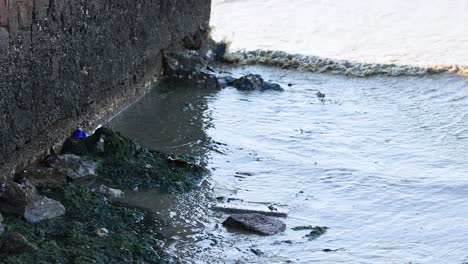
[318,64]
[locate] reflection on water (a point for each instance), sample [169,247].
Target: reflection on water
[382,163]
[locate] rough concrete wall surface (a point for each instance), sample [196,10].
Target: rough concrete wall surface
[68,63]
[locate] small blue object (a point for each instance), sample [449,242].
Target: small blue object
[79,133]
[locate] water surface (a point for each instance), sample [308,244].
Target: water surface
[381,162]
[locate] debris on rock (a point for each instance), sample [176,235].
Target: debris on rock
[100,144]
[101,232]
[15,243]
[255,223]
[73,166]
[79,133]
[114,193]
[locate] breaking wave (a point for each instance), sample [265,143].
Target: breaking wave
[341,67]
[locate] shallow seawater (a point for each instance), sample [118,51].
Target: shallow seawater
[382,162]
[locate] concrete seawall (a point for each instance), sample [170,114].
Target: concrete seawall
[68,63]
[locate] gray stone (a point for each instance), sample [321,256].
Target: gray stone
[42,209]
[73,166]
[255,223]
[15,243]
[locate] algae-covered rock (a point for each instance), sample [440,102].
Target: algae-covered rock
[72,238]
[124,164]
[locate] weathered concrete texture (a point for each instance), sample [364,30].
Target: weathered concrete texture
[65,63]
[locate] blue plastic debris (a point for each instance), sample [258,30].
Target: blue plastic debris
[79,133]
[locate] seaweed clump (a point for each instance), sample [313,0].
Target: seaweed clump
[125,164]
[72,238]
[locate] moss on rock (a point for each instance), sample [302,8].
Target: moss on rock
[125,164]
[72,238]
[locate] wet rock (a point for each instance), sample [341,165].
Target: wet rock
[73,166]
[316,232]
[15,243]
[300,228]
[256,223]
[190,68]
[321,96]
[115,193]
[256,251]
[219,51]
[252,82]
[43,176]
[42,209]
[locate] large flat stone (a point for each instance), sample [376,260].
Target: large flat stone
[255,223]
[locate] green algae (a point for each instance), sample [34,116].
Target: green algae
[72,238]
[122,163]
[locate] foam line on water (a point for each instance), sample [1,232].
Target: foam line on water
[340,67]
